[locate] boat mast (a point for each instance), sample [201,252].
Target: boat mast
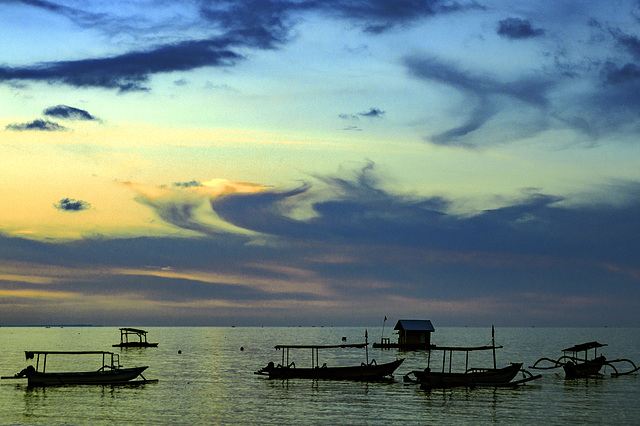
[493,343]
[366,346]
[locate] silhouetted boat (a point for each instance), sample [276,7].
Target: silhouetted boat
[470,377]
[576,365]
[141,341]
[366,371]
[111,372]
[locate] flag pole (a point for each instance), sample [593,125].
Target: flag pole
[382,337]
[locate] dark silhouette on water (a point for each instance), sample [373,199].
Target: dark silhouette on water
[579,366]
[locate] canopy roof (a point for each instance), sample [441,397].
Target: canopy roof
[133,330]
[414,325]
[584,347]
[351,345]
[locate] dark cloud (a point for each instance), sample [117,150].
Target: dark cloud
[616,75]
[191,184]
[411,247]
[129,71]
[360,212]
[257,24]
[371,113]
[69,113]
[71,205]
[37,125]
[378,16]
[630,43]
[482,92]
[516,28]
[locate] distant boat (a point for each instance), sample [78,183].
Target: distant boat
[469,377]
[577,365]
[110,373]
[366,371]
[139,342]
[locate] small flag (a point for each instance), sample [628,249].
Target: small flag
[385,317]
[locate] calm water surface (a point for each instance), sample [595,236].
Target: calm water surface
[205,378]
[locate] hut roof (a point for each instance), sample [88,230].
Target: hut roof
[414,325]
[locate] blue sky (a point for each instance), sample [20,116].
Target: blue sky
[319,163]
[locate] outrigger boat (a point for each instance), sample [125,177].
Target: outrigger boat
[470,377]
[369,371]
[141,342]
[111,372]
[576,365]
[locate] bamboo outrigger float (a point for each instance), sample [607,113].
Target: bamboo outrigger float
[470,377]
[111,372]
[366,371]
[140,342]
[576,365]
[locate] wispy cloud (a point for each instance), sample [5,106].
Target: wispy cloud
[66,112]
[37,125]
[242,24]
[481,91]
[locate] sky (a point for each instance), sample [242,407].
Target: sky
[334,162]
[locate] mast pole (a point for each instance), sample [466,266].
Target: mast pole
[366,346]
[493,344]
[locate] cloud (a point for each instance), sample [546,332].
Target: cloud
[71,205]
[398,247]
[191,184]
[37,125]
[378,16]
[68,113]
[253,24]
[371,113]
[129,71]
[482,92]
[516,28]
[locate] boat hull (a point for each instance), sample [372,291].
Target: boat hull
[105,377]
[479,377]
[364,372]
[584,369]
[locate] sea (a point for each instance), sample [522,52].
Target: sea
[205,376]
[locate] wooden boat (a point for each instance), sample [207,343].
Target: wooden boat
[366,371]
[470,377]
[141,341]
[111,372]
[577,365]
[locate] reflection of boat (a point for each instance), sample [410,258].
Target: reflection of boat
[111,372]
[141,342]
[576,365]
[470,377]
[368,371]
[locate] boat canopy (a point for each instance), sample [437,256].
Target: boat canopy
[584,347]
[465,348]
[351,345]
[134,330]
[31,354]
